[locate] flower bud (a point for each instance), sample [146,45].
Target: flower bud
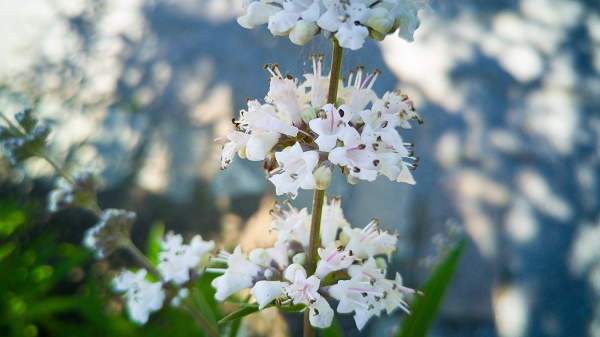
[290,271]
[380,20]
[303,31]
[110,232]
[323,177]
[272,274]
[257,14]
[308,114]
[260,256]
[380,262]
[299,258]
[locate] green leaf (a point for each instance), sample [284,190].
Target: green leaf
[235,327]
[424,308]
[241,312]
[157,230]
[204,308]
[248,309]
[333,330]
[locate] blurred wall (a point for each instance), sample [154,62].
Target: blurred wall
[509,90]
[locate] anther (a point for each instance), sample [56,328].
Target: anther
[361,146]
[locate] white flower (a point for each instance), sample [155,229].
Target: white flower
[295,170]
[303,289]
[333,258]
[259,144]
[266,291]
[397,104]
[282,93]
[201,248]
[330,125]
[358,296]
[264,118]
[332,219]
[358,93]
[406,12]
[292,224]
[351,36]
[239,274]
[356,155]
[384,128]
[316,85]
[258,13]
[292,11]
[321,314]
[143,297]
[237,142]
[341,18]
[370,241]
[176,259]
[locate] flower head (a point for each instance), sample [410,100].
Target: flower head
[143,297]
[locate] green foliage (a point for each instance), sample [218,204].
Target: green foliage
[424,308]
[250,308]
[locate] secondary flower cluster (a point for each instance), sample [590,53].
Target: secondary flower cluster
[350,21]
[178,263]
[301,137]
[348,270]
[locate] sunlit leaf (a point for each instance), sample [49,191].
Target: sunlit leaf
[424,308]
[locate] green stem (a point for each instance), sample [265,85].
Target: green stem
[336,67]
[57,167]
[142,259]
[319,195]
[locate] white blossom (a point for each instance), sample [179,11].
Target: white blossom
[370,241]
[295,170]
[333,258]
[321,314]
[330,124]
[143,297]
[303,289]
[292,224]
[239,274]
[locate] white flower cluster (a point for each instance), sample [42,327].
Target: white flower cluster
[178,263]
[301,137]
[350,21]
[346,254]
[143,296]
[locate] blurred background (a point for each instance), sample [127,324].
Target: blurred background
[510,149]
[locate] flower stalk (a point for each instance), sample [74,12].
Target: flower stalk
[319,195]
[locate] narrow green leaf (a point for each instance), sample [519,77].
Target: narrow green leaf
[235,327]
[204,308]
[248,309]
[424,308]
[294,308]
[333,330]
[241,312]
